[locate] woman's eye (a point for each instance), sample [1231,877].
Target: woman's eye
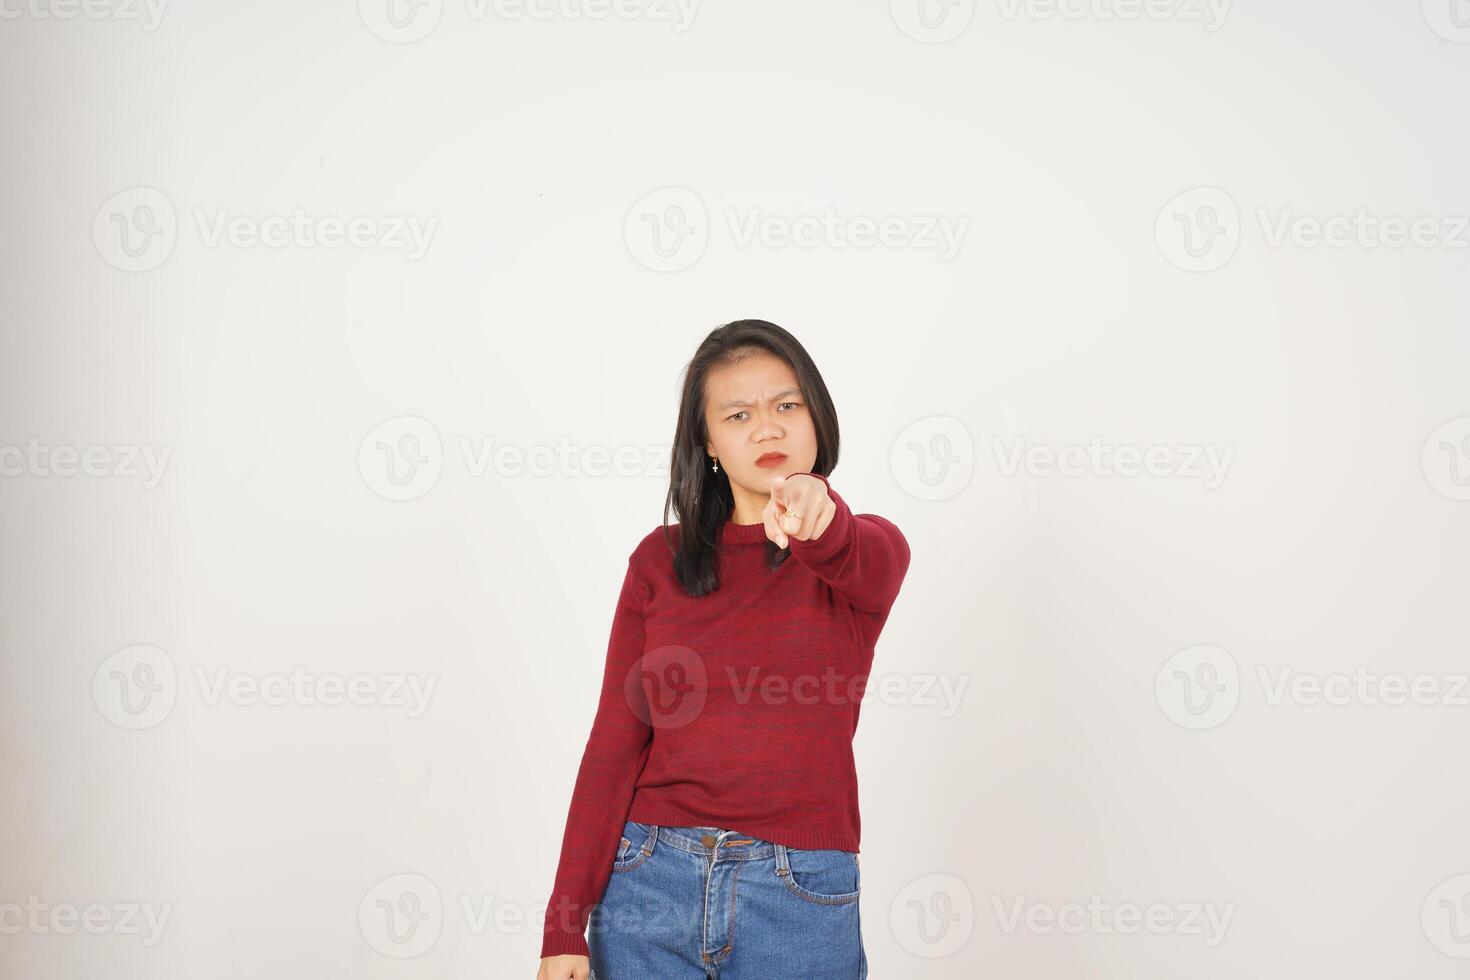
[782,405]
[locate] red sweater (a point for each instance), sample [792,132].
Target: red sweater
[736,709]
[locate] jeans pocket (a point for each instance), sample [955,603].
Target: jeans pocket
[634,847]
[823,876]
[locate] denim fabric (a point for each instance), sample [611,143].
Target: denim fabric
[690,903]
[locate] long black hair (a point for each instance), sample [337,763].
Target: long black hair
[700,497]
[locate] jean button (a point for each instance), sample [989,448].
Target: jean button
[708,840]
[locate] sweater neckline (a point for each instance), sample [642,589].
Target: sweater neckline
[732,533]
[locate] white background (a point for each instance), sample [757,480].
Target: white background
[543,313]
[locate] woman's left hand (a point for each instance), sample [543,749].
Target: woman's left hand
[799,508]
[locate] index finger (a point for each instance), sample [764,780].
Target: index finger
[778,490]
[772,522]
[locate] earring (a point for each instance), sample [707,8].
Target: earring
[716,468]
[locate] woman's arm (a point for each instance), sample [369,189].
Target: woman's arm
[616,750]
[863,557]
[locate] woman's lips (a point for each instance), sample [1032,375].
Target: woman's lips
[769,461]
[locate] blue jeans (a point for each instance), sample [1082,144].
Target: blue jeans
[690,903]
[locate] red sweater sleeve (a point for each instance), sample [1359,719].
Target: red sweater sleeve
[863,557]
[616,751]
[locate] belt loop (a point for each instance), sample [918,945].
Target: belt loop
[782,868]
[647,847]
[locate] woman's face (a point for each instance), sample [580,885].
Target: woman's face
[754,408]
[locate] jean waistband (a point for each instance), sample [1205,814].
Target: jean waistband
[727,844]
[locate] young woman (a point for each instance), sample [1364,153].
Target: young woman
[713,830]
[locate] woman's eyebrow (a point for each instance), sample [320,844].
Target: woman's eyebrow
[741,403]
